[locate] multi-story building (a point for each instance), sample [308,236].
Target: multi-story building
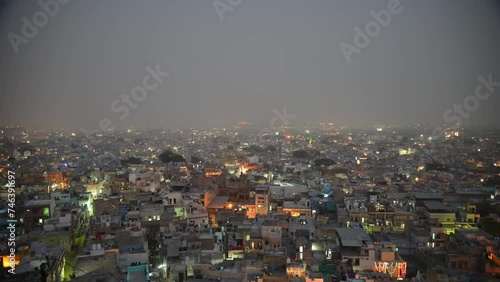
[54,177]
[298,208]
[35,213]
[262,199]
[357,248]
[436,211]
[271,235]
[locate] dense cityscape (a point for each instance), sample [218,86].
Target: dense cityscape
[314,203]
[250,141]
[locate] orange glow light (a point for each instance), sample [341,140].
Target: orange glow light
[6,261]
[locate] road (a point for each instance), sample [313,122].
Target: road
[70,258]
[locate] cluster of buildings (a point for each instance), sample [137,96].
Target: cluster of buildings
[315,204]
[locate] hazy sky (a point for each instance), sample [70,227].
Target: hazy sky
[264,54]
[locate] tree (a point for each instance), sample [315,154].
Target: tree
[435,166]
[300,154]
[168,156]
[490,226]
[485,208]
[324,162]
[25,147]
[6,145]
[196,159]
[131,160]
[270,148]
[254,149]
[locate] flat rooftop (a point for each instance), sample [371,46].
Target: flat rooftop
[353,237]
[38,203]
[218,202]
[435,205]
[427,195]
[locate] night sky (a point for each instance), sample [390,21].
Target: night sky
[241,63]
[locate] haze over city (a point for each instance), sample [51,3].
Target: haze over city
[239,64]
[250,141]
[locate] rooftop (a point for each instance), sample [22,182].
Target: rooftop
[218,202]
[353,237]
[435,205]
[427,196]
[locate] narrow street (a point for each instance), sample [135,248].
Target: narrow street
[70,258]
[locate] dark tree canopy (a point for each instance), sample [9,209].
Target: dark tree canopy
[168,156]
[254,149]
[324,162]
[490,226]
[131,160]
[435,166]
[300,154]
[196,160]
[270,148]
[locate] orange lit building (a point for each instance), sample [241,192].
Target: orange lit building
[297,208]
[295,269]
[250,210]
[262,199]
[212,171]
[55,178]
[9,262]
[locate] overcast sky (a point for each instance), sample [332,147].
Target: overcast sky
[263,54]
